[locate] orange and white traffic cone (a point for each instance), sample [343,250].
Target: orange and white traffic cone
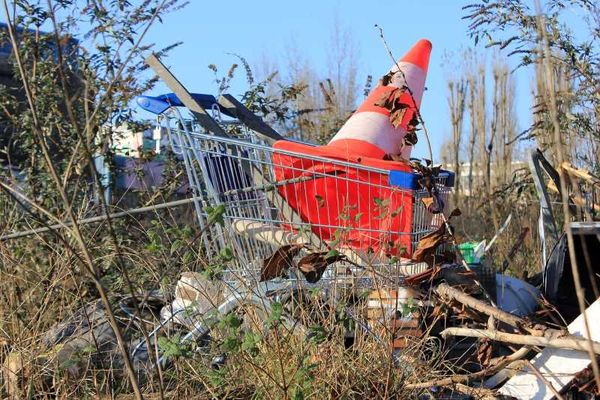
[369,131]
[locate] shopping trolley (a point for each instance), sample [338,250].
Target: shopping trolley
[273,197]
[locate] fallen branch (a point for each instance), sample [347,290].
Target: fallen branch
[451,293]
[457,379]
[549,339]
[475,392]
[541,377]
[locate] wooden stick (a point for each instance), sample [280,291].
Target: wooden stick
[475,392]
[541,377]
[515,247]
[454,379]
[449,292]
[548,340]
[577,200]
[249,119]
[506,373]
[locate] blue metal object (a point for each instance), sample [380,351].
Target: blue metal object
[160,104]
[409,180]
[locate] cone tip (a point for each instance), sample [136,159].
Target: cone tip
[424,43]
[419,54]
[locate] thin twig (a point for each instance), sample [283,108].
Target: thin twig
[517,355]
[417,109]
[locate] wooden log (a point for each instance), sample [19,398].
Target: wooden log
[452,293]
[552,341]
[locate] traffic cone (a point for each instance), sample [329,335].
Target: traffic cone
[369,131]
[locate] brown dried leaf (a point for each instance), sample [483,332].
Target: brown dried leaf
[484,352]
[392,102]
[386,79]
[396,117]
[413,123]
[437,311]
[428,184]
[394,157]
[388,99]
[417,279]
[428,244]
[455,213]
[427,201]
[313,265]
[466,315]
[410,139]
[279,262]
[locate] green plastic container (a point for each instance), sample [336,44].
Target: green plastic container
[467,250]
[483,268]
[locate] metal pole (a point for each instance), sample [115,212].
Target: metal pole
[99,218]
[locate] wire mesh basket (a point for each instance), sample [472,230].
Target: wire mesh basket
[273,198]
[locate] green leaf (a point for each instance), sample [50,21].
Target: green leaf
[332,253]
[232,321]
[276,313]
[317,333]
[173,347]
[188,257]
[176,245]
[216,214]
[250,342]
[226,254]
[231,343]
[320,200]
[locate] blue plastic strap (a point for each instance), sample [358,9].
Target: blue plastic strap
[160,104]
[410,181]
[404,180]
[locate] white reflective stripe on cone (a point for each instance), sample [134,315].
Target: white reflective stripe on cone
[415,79]
[374,128]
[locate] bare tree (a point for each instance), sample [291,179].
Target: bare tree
[561,85]
[343,53]
[457,91]
[504,123]
[472,134]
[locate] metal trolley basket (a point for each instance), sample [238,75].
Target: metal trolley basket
[273,198]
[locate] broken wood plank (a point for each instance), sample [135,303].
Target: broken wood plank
[580,173]
[203,118]
[249,119]
[559,366]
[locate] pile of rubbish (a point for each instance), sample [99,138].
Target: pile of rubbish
[359,216]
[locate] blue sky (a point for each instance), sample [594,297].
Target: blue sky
[212,30]
[255,29]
